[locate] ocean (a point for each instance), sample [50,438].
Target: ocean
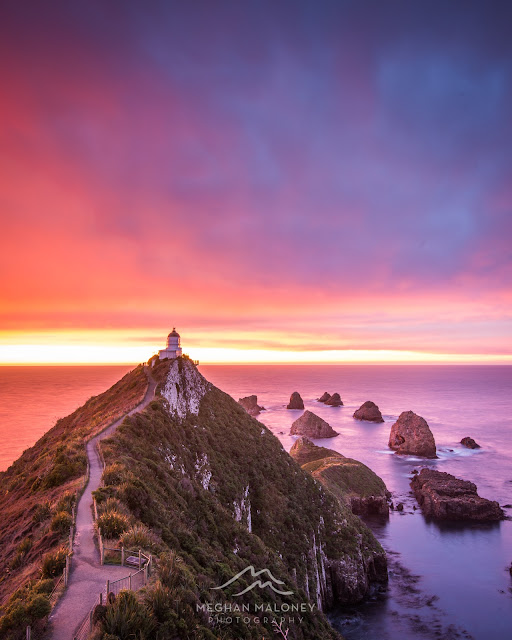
[446,581]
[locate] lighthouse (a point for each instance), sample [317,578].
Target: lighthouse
[173,349]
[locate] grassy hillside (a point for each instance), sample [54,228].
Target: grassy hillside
[350,481]
[218,490]
[37,493]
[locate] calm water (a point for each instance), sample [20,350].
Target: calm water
[445,581]
[33,398]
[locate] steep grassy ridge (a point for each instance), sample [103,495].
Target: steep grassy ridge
[216,488]
[36,497]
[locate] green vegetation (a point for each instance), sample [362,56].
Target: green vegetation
[61,522]
[193,484]
[53,563]
[346,477]
[140,537]
[112,524]
[37,494]
[26,606]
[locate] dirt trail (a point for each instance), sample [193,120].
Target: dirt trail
[88,577]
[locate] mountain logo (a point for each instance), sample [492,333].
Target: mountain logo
[270,582]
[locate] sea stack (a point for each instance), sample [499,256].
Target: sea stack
[312,426]
[334,400]
[296,401]
[250,404]
[324,397]
[369,412]
[445,497]
[411,435]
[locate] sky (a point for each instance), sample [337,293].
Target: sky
[282,181]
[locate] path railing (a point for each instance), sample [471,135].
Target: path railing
[133,582]
[144,563]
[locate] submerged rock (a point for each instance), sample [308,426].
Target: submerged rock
[469,443]
[250,404]
[411,435]
[369,411]
[296,402]
[352,482]
[334,400]
[312,426]
[324,397]
[445,497]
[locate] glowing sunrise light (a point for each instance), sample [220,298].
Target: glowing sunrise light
[39,354]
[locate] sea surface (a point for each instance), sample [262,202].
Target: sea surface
[446,581]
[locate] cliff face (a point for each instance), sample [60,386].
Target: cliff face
[218,488]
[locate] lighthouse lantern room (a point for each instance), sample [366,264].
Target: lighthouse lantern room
[173,349]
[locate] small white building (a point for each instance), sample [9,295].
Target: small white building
[173,349]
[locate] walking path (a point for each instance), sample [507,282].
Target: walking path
[88,577]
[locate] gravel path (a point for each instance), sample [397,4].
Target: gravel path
[88,577]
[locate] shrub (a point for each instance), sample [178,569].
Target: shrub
[38,606]
[159,599]
[128,618]
[112,504]
[113,474]
[170,569]
[139,536]
[53,563]
[44,586]
[66,502]
[61,472]
[42,512]
[112,524]
[61,522]
[21,552]
[22,611]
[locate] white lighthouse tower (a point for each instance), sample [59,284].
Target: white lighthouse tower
[173,349]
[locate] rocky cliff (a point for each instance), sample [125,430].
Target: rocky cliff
[217,488]
[445,497]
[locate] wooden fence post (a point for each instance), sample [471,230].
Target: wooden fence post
[130,581]
[145,573]
[140,559]
[108,588]
[122,556]
[102,553]
[29,632]
[66,572]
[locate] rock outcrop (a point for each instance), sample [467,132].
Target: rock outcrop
[445,497]
[334,400]
[411,435]
[369,412]
[312,426]
[324,397]
[469,443]
[305,451]
[296,402]
[250,404]
[350,481]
